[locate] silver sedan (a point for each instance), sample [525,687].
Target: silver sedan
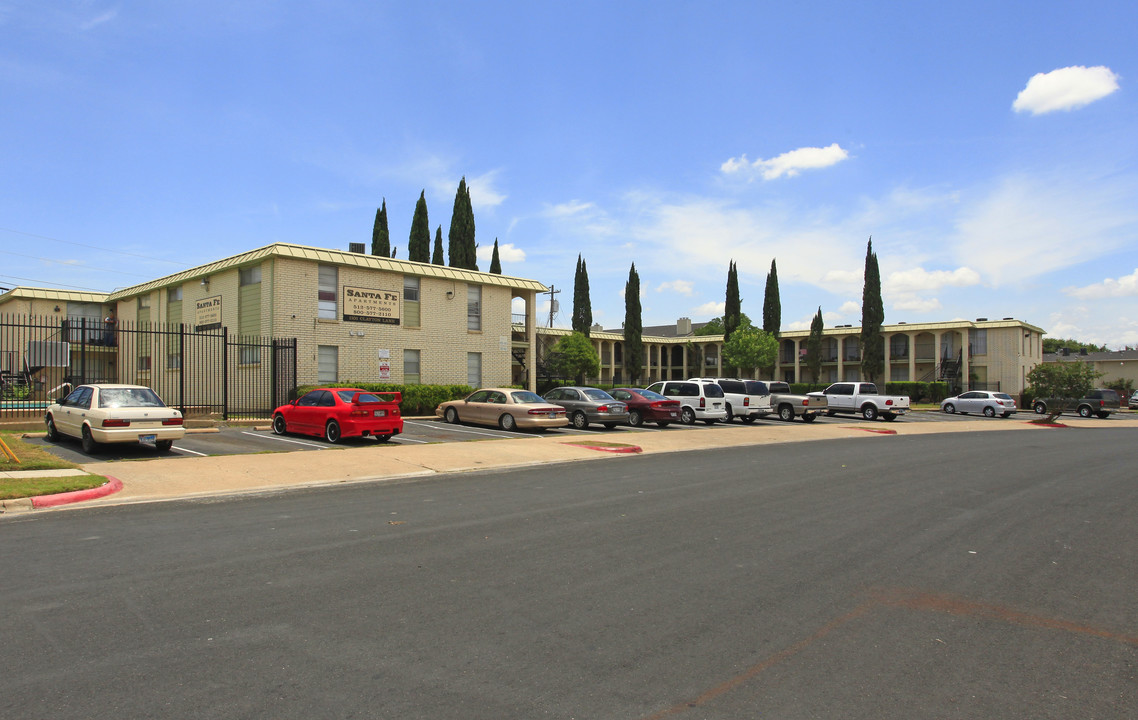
[584,405]
[989,403]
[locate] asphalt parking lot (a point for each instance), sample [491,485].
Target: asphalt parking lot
[236,440]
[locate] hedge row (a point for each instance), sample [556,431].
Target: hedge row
[417,399]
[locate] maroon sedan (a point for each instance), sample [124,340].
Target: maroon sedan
[648,406]
[333,413]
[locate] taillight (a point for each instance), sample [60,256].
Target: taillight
[602,408]
[1102,403]
[112,422]
[746,402]
[888,402]
[172,421]
[357,412]
[806,401]
[702,402]
[546,411]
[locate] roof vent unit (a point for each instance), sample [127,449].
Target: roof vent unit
[1009,318]
[357,248]
[981,319]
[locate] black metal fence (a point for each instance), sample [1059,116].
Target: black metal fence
[209,374]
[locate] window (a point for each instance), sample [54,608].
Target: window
[474,369]
[174,295]
[328,287]
[978,341]
[144,363]
[474,307]
[411,360]
[410,301]
[250,275]
[327,363]
[249,314]
[143,302]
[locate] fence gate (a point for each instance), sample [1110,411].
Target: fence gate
[203,374]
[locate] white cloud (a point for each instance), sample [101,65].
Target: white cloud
[483,194]
[1109,288]
[789,163]
[918,279]
[850,307]
[99,20]
[562,210]
[1067,88]
[683,287]
[709,309]
[907,301]
[506,253]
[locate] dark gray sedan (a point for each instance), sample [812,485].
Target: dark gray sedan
[584,405]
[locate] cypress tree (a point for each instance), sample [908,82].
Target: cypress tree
[437,257]
[633,328]
[731,308]
[462,249]
[772,306]
[419,244]
[575,322]
[495,264]
[872,316]
[380,239]
[814,346]
[586,303]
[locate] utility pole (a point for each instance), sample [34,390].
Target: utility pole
[552,302]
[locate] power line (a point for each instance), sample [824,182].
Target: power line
[49,282]
[64,262]
[93,247]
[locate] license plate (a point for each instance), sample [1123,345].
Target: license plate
[716,405]
[552,415]
[672,414]
[380,413]
[151,439]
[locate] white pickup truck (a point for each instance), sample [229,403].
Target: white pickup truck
[861,398]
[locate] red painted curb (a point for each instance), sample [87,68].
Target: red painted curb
[113,485]
[629,449]
[879,432]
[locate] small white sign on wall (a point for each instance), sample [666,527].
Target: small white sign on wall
[384,354]
[384,364]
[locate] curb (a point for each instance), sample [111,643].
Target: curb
[113,485]
[625,449]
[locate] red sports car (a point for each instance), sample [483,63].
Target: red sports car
[648,406]
[333,413]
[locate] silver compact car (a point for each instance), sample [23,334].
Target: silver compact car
[586,405]
[989,403]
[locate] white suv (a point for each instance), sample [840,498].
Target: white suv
[700,400]
[747,400]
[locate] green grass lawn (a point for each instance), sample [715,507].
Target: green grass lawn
[36,458]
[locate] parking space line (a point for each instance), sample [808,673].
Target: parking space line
[281,439]
[452,428]
[402,438]
[192,452]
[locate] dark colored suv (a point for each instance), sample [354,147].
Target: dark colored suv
[1100,401]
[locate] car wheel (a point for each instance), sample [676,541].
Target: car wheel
[635,419]
[831,413]
[809,418]
[1104,415]
[507,422]
[687,416]
[869,412]
[989,412]
[785,413]
[1008,414]
[949,408]
[280,427]
[580,421]
[383,438]
[663,424]
[451,415]
[709,422]
[1040,409]
[610,426]
[888,417]
[730,415]
[332,431]
[52,433]
[748,419]
[89,445]
[164,445]
[1084,411]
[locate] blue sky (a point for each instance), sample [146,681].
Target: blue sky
[988,148]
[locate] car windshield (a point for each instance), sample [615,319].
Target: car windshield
[129,397]
[597,395]
[347,395]
[755,387]
[712,390]
[651,395]
[525,396]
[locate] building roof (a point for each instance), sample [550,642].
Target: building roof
[1109,356]
[31,293]
[331,257]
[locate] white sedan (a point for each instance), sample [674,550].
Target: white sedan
[102,413]
[989,403]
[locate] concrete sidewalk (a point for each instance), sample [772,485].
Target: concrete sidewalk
[178,478]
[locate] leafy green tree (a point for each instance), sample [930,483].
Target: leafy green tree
[715,326]
[495,264]
[814,347]
[419,244]
[872,316]
[462,249]
[582,305]
[437,256]
[772,306]
[574,356]
[1065,381]
[1051,345]
[380,238]
[750,347]
[633,327]
[731,307]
